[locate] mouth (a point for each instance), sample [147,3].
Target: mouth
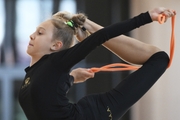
[31,44]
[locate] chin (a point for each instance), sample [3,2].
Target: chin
[28,52]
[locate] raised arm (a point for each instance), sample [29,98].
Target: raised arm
[127,48]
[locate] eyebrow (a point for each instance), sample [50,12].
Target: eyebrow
[41,28]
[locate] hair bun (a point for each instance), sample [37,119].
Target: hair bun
[79,19]
[63,15]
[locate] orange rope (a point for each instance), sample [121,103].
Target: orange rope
[115,67]
[124,67]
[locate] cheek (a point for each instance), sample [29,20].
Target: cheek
[43,42]
[46,45]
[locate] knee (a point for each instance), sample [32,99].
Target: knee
[161,59]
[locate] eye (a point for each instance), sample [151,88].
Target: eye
[39,33]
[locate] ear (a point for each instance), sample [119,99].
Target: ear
[56,45]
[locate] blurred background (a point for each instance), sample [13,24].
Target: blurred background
[19,18]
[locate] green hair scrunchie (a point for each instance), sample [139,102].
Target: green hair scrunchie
[71,24]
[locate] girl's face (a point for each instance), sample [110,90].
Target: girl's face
[41,40]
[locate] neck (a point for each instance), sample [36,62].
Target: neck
[34,60]
[36,57]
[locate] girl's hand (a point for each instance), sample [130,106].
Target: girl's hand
[161,10]
[81,74]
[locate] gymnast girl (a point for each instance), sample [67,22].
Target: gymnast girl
[48,78]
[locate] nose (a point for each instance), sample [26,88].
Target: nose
[32,37]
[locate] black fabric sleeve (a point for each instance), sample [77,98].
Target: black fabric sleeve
[71,80]
[75,54]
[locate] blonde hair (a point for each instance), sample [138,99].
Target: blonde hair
[63,33]
[67,34]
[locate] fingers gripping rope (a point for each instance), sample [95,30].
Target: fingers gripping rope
[125,67]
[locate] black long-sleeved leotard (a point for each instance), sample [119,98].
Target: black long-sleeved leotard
[42,95]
